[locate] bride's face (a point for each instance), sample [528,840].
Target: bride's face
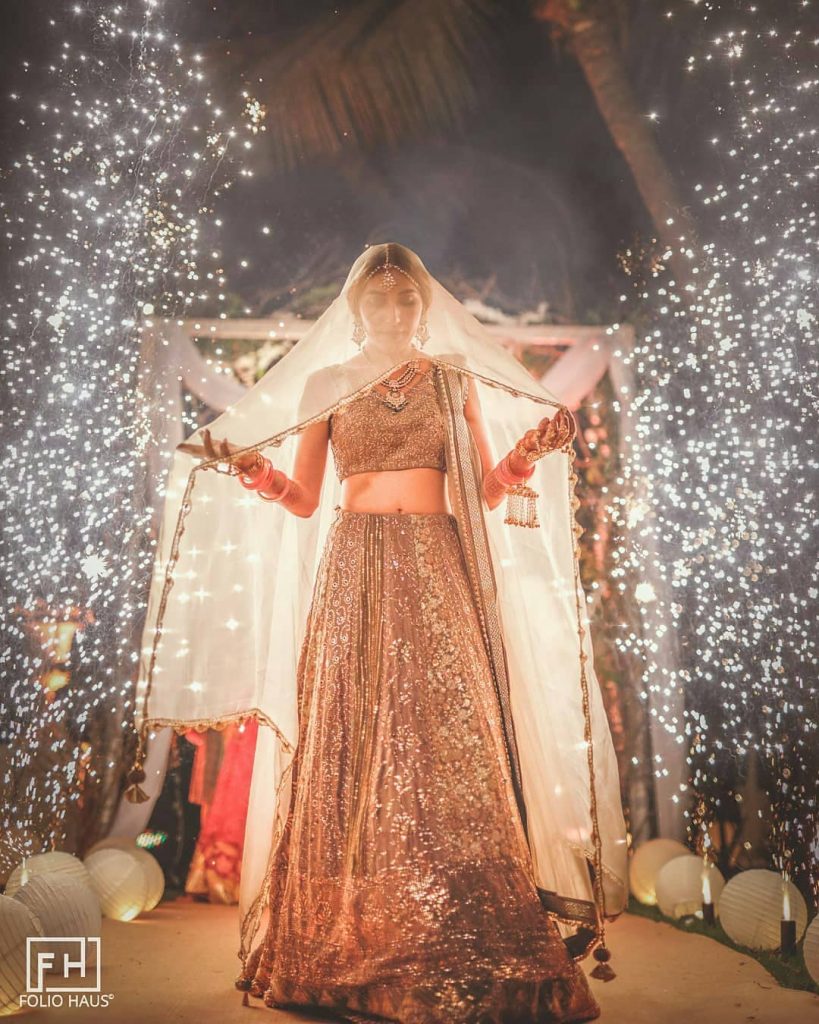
[391,315]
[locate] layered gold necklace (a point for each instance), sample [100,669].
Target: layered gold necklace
[395,397]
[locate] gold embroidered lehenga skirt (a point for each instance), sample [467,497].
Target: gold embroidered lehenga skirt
[402,886]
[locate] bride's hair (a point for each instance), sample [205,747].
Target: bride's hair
[398,256]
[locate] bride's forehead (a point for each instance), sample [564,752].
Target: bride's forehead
[378,284]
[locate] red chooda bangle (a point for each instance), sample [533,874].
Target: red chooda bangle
[507,477]
[282,493]
[260,480]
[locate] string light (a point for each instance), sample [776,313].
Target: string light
[109,202]
[719,499]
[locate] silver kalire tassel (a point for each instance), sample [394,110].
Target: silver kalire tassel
[521,506]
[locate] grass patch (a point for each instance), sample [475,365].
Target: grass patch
[790,972]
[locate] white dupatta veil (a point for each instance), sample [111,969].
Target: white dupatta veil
[233,580]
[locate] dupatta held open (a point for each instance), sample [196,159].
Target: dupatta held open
[233,582]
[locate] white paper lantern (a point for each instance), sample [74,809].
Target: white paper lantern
[751,907]
[680,885]
[120,881]
[113,843]
[154,874]
[55,864]
[63,907]
[17,923]
[646,863]
[810,949]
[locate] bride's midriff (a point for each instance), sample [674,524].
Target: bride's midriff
[421,489]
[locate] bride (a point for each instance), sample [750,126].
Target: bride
[435,830]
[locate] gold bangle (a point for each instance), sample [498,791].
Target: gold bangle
[531,455]
[254,469]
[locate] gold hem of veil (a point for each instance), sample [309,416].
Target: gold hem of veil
[220,723]
[249,924]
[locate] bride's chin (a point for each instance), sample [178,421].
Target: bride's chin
[393,343]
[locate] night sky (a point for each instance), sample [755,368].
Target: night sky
[528,199]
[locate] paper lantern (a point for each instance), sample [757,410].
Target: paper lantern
[114,843]
[810,949]
[120,881]
[646,863]
[679,885]
[751,907]
[17,923]
[63,906]
[154,874]
[55,864]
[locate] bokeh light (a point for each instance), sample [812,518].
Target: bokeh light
[123,155]
[718,501]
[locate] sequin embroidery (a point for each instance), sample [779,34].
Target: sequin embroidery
[402,888]
[366,436]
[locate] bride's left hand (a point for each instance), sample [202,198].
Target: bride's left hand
[558,432]
[549,435]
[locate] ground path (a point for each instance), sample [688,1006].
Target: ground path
[177,964]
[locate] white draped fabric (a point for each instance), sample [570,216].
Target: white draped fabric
[233,582]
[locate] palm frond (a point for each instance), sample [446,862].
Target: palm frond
[374,73]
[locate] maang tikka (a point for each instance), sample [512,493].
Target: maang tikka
[389,282]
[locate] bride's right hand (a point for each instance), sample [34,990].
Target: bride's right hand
[222,450]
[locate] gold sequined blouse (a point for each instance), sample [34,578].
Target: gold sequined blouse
[367,436]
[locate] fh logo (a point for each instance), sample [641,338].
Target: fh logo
[63,971]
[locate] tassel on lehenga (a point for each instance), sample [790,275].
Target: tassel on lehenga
[603,971]
[134,793]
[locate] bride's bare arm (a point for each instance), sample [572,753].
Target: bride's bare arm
[493,491]
[302,496]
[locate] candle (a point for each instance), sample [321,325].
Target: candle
[707,904]
[787,937]
[787,927]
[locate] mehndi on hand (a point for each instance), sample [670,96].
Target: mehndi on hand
[550,435]
[248,462]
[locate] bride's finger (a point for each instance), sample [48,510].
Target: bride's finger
[209,448]
[548,422]
[192,449]
[550,428]
[571,423]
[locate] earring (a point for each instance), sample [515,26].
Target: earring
[422,334]
[359,334]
